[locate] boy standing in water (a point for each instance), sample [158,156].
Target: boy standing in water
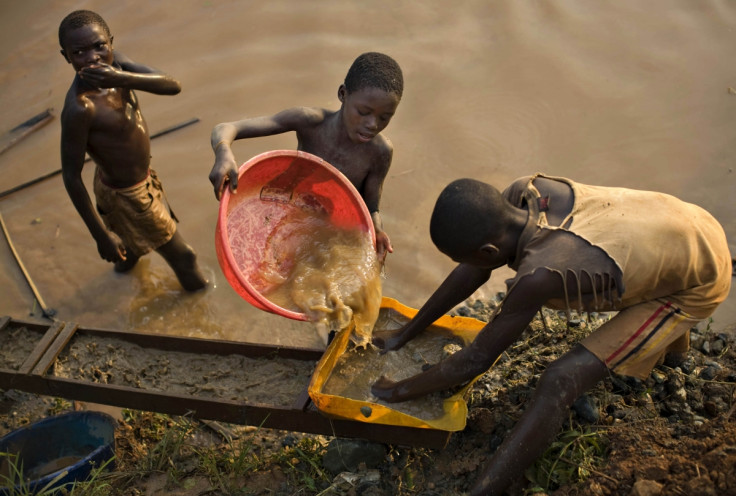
[101,117]
[661,263]
[348,138]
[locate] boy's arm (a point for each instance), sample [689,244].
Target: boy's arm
[517,310]
[225,169]
[457,287]
[383,242]
[124,73]
[74,130]
[372,190]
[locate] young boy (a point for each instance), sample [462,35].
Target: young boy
[663,264]
[102,117]
[348,138]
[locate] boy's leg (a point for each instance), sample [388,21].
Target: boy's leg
[128,263]
[559,386]
[181,257]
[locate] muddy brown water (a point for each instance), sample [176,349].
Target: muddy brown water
[628,93]
[358,368]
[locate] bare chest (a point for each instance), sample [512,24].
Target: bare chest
[353,163]
[117,114]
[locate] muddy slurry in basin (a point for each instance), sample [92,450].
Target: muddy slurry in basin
[331,274]
[276,381]
[358,368]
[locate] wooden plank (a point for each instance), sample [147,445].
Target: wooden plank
[205,346]
[49,336]
[54,349]
[266,416]
[15,135]
[36,326]
[302,401]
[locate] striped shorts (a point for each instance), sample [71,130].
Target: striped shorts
[636,338]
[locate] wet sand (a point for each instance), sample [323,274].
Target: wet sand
[231,377]
[622,94]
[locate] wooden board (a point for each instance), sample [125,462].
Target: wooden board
[15,135]
[35,376]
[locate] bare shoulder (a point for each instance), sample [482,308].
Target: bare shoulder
[516,188]
[78,108]
[383,151]
[305,116]
[383,144]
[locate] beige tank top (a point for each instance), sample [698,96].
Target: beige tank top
[644,244]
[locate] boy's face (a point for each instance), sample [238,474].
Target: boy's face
[88,46]
[367,112]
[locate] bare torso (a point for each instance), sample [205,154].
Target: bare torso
[357,161]
[118,139]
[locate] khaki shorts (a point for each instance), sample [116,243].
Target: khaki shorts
[634,340]
[138,214]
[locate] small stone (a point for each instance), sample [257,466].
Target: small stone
[289,440]
[708,373]
[586,409]
[688,365]
[450,349]
[658,376]
[681,394]
[646,488]
[463,312]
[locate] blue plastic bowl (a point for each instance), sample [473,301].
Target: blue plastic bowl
[74,442]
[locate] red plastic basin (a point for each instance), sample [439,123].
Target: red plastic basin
[271,187]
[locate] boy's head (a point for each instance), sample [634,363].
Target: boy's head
[375,70]
[370,95]
[468,215]
[80,18]
[86,30]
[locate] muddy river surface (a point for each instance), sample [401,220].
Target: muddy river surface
[626,93]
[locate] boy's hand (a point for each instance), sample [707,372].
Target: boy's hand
[389,340]
[111,248]
[224,171]
[383,246]
[102,76]
[384,389]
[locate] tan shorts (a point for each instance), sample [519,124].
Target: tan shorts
[634,340]
[138,214]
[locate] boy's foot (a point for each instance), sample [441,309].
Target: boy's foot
[192,280]
[127,264]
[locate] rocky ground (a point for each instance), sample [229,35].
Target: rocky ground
[671,434]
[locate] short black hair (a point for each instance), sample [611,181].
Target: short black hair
[375,70]
[468,214]
[78,19]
